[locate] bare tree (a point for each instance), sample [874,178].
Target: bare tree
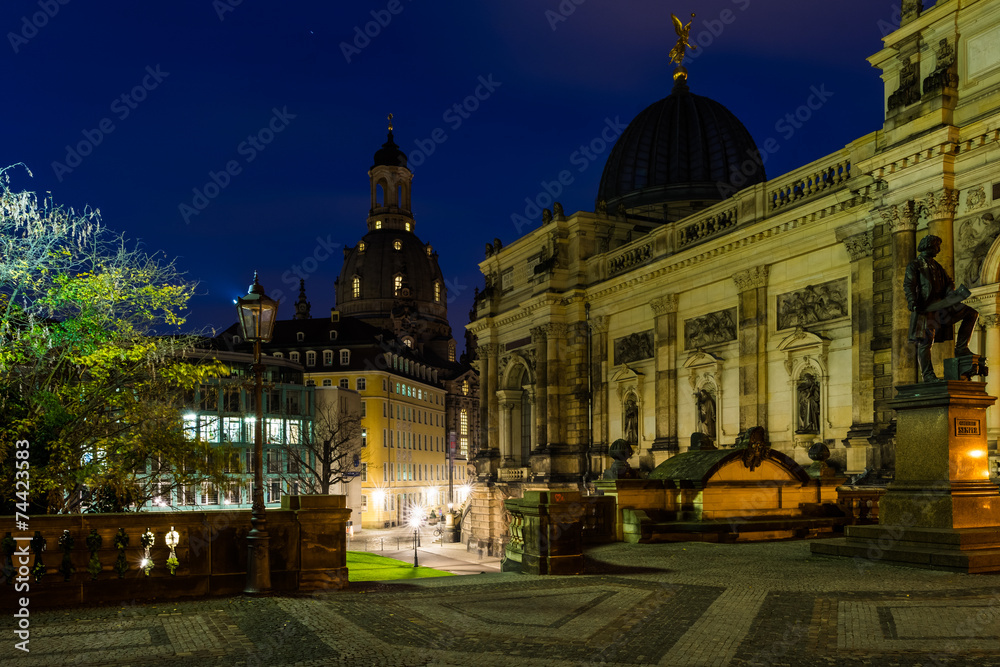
[332,453]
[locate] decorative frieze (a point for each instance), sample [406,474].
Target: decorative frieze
[752,278]
[989,321]
[812,304]
[908,91]
[634,347]
[859,246]
[711,329]
[976,236]
[976,199]
[945,75]
[664,304]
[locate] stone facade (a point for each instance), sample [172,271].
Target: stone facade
[802,284]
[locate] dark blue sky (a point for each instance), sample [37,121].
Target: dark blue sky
[212,74]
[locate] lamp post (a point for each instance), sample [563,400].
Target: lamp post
[257,313]
[415,524]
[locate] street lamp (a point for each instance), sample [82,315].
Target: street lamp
[257,313]
[415,524]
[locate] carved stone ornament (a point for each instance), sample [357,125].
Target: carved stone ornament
[942,204]
[711,329]
[634,347]
[900,218]
[976,235]
[945,75]
[664,304]
[859,246]
[908,91]
[976,199]
[599,324]
[752,278]
[989,321]
[812,304]
[538,334]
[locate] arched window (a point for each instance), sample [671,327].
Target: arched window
[356,287]
[437,291]
[378,224]
[399,196]
[379,195]
[397,244]
[463,432]
[361,246]
[408,227]
[429,250]
[397,283]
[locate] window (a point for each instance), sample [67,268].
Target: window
[407,226]
[356,287]
[273,462]
[233,495]
[294,461]
[364,503]
[385,409]
[345,383]
[397,244]
[360,384]
[274,492]
[294,433]
[385,472]
[310,383]
[437,291]
[328,382]
[385,385]
[364,439]
[333,335]
[232,429]
[328,357]
[294,356]
[300,336]
[397,283]
[276,355]
[364,472]
[364,409]
[378,224]
[209,495]
[189,494]
[209,428]
[361,247]
[385,439]
[345,357]
[465,387]
[463,430]
[292,403]
[310,358]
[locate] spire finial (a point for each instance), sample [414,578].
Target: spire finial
[390,122]
[683,44]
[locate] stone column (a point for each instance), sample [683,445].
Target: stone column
[538,338]
[991,334]
[859,249]
[484,404]
[940,208]
[752,287]
[902,221]
[493,409]
[665,360]
[555,429]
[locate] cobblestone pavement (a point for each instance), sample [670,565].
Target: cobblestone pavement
[667,604]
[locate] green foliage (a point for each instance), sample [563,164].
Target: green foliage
[93,371]
[363,566]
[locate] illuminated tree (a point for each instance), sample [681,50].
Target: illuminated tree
[331,453]
[90,373]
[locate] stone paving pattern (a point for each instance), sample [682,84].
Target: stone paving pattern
[638,604]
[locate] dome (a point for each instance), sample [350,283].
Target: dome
[390,155]
[684,147]
[380,257]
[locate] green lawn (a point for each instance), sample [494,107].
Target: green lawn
[364,566]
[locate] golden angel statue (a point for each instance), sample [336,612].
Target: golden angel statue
[677,53]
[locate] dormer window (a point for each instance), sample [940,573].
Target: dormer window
[294,356]
[361,246]
[397,244]
[345,357]
[333,335]
[328,357]
[310,358]
[429,249]
[356,287]
[299,336]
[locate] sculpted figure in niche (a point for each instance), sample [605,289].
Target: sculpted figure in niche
[935,306]
[808,398]
[630,423]
[706,412]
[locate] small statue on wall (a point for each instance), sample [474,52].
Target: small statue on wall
[807,393]
[706,412]
[630,422]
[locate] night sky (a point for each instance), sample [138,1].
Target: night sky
[160,94]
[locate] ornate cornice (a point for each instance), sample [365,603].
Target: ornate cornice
[753,278]
[557,329]
[859,246]
[664,304]
[989,321]
[488,349]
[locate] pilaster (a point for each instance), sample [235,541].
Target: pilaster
[752,335]
[665,387]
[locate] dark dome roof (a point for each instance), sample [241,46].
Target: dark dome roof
[682,148]
[390,155]
[377,266]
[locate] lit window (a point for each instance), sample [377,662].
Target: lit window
[429,250]
[437,291]
[310,358]
[407,226]
[361,247]
[378,224]
[361,384]
[328,357]
[465,387]
[356,289]
[345,357]
[397,283]
[397,244]
[364,440]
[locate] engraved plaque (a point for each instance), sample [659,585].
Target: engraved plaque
[967,427]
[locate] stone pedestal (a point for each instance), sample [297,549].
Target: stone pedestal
[545,533]
[941,511]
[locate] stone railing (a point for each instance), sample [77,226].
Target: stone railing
[513,474]
[307,552]
[823,174]
[699,230]
[628,257]
[860,503]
